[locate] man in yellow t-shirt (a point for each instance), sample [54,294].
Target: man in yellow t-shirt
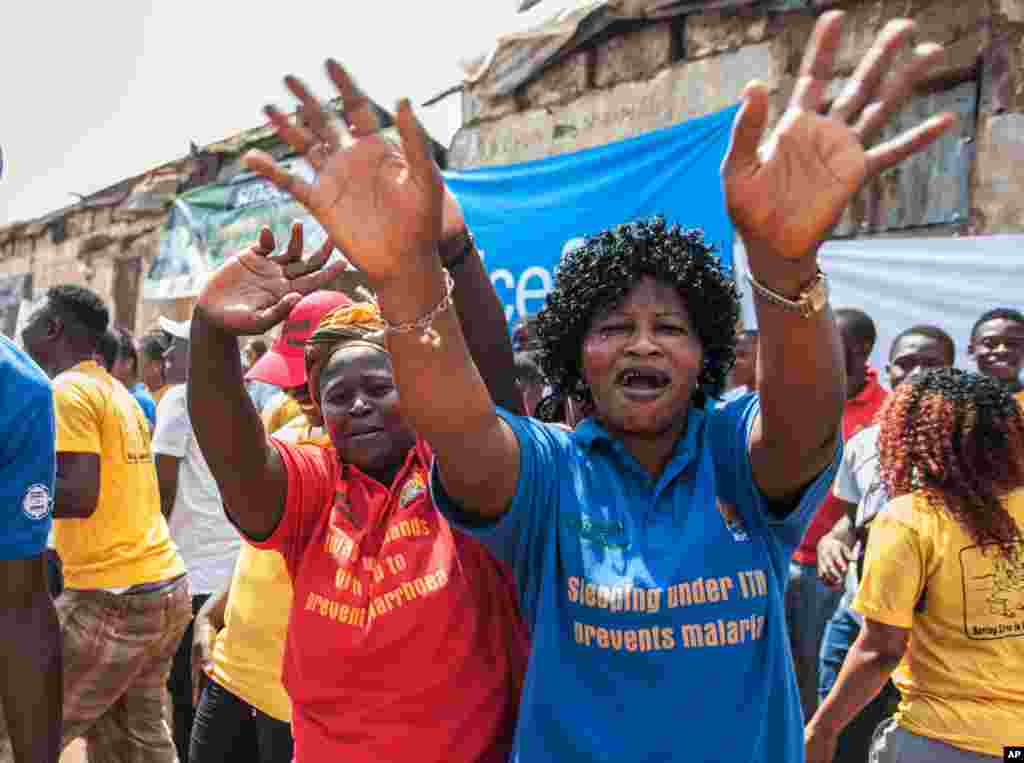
[126,602]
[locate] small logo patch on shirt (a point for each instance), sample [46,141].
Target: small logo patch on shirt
[37,502]
[413,488]
[732,519]
[607,534]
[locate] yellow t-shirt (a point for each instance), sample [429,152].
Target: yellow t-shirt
[249,651]
[962,678]
[281,413]
[299,431]
[1020,398]
[125,542]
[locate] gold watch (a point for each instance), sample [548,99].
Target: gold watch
[812,299]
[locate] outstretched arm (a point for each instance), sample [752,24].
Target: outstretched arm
[481,317]
[249,294]
[382,204]
[482,321]
[873,657]
[785,197]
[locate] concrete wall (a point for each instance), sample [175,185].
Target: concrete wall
[85,250]
[667,72]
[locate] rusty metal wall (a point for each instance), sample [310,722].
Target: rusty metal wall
[932,188]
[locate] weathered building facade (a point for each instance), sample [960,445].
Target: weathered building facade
[661,63]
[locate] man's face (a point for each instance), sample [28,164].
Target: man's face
[914,354]
[153,373]
[856,354]
[124,370]
[39,336]
[176,362]
[998,349]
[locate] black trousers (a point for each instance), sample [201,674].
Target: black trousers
[230,730]
[179,684]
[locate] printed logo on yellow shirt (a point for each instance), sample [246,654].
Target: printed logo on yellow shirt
[993,592]
[136,437]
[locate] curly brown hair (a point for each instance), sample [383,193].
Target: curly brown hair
[956,438]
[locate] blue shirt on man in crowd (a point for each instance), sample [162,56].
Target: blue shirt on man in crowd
[656,609]
[28,459]
[141,393]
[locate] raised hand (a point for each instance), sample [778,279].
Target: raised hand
[379,203]
[834,557]
[786,196]
[256,290]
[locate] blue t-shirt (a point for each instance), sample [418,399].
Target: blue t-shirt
[656,610]
[146,402]
[28,459]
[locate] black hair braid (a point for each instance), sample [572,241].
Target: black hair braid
[600,273]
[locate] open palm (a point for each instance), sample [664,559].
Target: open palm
[256,290]
[786,196]
[378,202]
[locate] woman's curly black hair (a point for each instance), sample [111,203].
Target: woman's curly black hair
[598,274]
[957,439]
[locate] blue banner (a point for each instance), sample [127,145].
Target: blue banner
[525,216]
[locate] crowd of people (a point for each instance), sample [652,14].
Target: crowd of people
[634,530]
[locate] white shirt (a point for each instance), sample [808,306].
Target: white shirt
[859,481]
[207,541]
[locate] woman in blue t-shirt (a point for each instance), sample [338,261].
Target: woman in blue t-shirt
[651,543]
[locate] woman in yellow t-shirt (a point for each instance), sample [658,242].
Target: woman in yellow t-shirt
[943,587]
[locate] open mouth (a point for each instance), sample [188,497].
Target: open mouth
[998,364]
[365,434]
[643,382]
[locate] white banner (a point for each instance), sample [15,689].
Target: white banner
[902,282]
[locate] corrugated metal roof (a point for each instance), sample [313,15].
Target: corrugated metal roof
[548,30]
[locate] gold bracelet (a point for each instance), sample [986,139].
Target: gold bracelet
[812,298]
[425,324]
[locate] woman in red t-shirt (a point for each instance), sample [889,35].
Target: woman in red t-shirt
[405,640]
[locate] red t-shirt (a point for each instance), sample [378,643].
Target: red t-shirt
[405,640]
[859,412]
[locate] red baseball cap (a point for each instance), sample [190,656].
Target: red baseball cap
[284,364]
